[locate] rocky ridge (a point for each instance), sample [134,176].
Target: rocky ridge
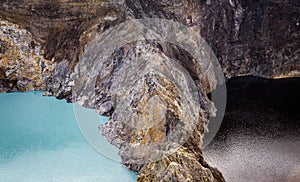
[42,43]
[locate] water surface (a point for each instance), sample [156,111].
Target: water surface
[40,141]
[259,139]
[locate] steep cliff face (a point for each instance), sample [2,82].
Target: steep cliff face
[42,44]
[60,29]
[249,38]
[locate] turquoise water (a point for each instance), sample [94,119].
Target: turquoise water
[40,141]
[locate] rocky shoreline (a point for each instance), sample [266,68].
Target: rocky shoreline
[42,44]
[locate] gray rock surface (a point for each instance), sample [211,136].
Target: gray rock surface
[249,38]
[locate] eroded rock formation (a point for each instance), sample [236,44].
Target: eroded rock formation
[42,44]
[22,66]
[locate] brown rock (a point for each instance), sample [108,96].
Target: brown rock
[42,42]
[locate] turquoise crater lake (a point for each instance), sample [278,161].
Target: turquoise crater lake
[41,141]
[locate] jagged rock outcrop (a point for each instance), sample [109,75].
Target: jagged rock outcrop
[159,114]
[42,44]
[22,65]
